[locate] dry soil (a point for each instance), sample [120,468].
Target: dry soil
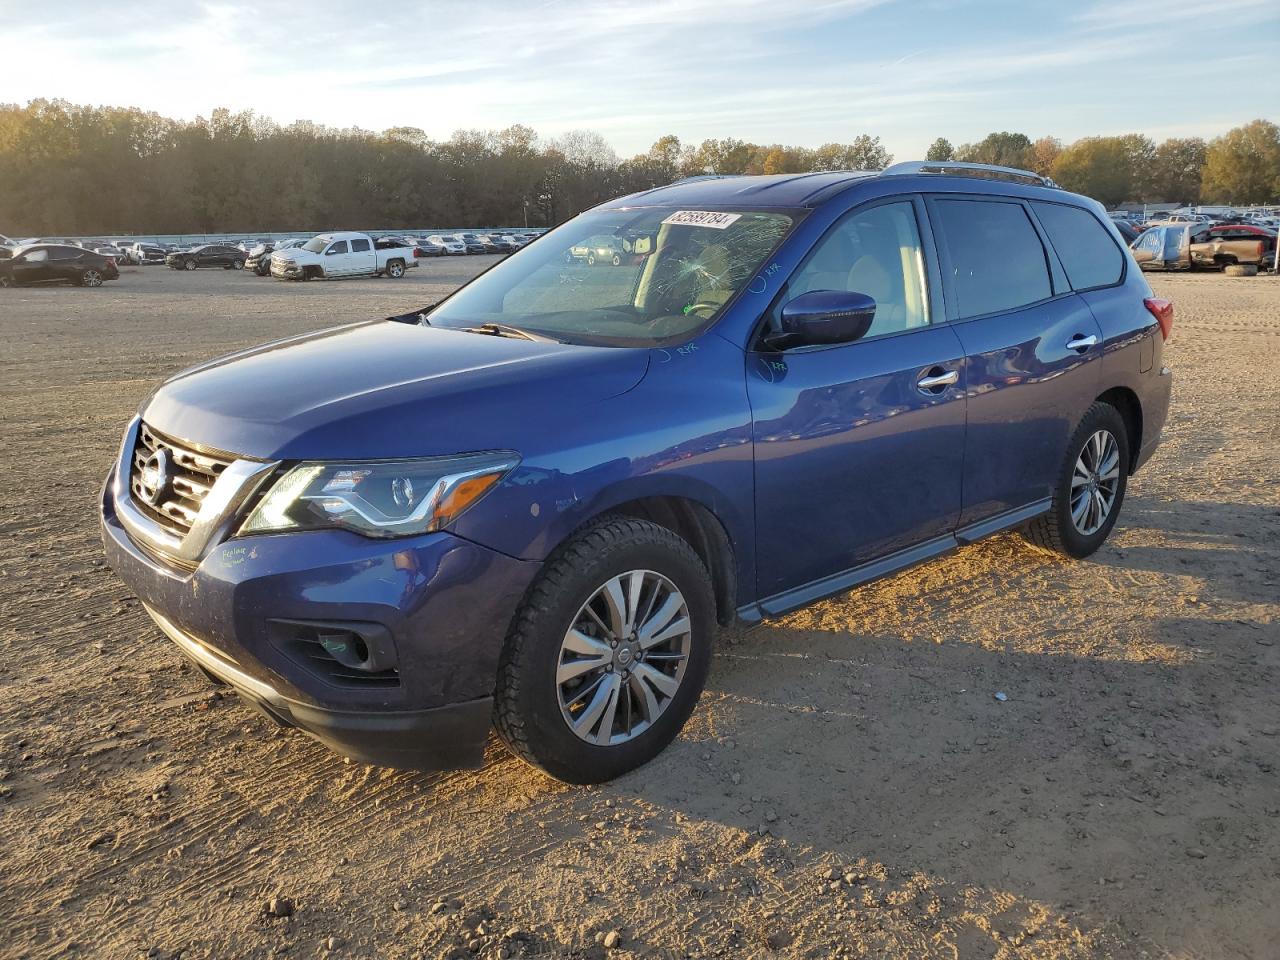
[849,785]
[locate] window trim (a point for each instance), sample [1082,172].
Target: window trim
[1124,260]
[934,307]
[944,254]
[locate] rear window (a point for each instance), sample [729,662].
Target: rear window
[994,254]
[1087,251]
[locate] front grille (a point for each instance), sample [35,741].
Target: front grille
[193,475]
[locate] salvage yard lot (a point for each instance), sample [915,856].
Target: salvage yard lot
[849,785]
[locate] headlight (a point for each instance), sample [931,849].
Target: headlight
[378,498]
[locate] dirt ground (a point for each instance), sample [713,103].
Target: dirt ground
[849,785]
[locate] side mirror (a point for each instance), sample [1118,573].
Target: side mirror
[824,317]
[640,244]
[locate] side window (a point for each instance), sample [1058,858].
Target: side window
[63,253]
[339,247]
[359,246]
[1088,254]
[995,256]
[875,251]
[37,256]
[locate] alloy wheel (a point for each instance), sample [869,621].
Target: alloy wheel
[91,278]
[623,658]
[1094,482]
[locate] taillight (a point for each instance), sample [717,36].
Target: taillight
[1162,310]
[417,253]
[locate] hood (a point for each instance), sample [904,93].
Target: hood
[387,389]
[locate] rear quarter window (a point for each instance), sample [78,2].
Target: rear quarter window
[1087,251]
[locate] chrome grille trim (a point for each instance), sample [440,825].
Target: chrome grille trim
[213,489]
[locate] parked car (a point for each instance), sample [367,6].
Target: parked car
[333,255]
[1188,246]
[144,253]
[427,247]
[56,263]
[596,250]
[532,502]
[259,260]
[1222,246]
[1127,230]
[208,255]
[502,242]
[453,246]
[474,243]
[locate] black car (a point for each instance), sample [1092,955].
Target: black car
[210,255]
[56,263]
[1127,230]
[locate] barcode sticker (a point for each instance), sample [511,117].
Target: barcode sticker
[702,218]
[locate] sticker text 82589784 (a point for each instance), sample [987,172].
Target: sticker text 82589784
[702,218]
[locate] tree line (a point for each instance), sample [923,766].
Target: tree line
[83,170]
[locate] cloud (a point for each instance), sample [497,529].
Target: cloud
[760,69]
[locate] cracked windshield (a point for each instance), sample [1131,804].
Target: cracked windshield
[635,277]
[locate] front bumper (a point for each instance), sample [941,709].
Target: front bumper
[444,603]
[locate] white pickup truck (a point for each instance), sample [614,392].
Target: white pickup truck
[342,255]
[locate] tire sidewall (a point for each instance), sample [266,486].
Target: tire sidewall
[1100,417]
[562,752]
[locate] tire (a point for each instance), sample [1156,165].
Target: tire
[1240,270]
[6,282]
[237,264]
[1058,530]
[188,264]
[533,706]
[591,259]
[91,278]
[617,260]
[395,269]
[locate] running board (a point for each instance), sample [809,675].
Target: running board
[787,601]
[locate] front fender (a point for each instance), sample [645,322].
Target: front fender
[683,431]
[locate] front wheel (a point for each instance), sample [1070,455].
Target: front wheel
[6,281]
[188,265]
[617,260]
[1090,489]
[237,264]
[608,656]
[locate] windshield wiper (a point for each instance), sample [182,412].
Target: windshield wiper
[505,330]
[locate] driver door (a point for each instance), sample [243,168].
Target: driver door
[32,267]
[337,259]
[859,447]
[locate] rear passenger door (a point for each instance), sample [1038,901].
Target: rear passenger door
[362,258]
[1033,350]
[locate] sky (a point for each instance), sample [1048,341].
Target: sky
[768,71]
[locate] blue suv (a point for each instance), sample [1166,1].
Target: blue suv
[530,505]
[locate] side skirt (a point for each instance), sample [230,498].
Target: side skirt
[789,600]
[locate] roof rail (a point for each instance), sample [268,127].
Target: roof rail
[960,168]
[704,176]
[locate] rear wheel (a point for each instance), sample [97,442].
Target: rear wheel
[91,278]
[617,260]
[395,269]
[237,264]
[1090,489]
[608,656]
[591,259]
[6,281]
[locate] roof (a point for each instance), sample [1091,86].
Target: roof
[773,190]
[812,189]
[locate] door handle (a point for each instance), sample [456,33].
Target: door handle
[1082,343]
[935,382]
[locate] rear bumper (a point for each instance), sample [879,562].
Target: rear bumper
[438,604]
